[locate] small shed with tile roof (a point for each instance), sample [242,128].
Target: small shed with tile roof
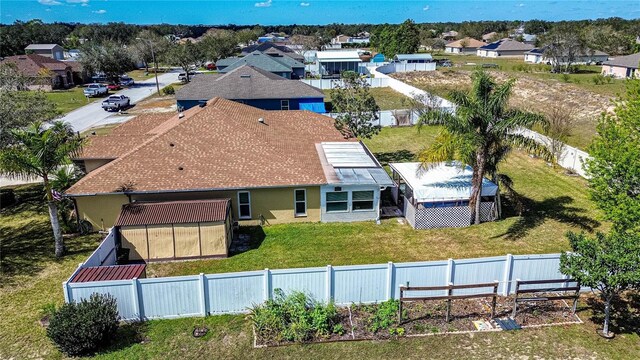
[174,230]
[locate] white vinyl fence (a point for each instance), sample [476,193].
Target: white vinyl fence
[327,84]
[399,117]
[201,295]
[406,67]
[105,254]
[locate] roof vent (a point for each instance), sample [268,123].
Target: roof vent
[261,120]
[202,103]
[180,168]
[245,76]
[180,116]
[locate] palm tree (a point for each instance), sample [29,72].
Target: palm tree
[481,132]
[40,151]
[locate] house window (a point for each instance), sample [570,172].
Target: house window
[362,200]
[300,202]
[284,104]
[337,201]
[244,205]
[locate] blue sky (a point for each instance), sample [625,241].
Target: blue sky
[270,12]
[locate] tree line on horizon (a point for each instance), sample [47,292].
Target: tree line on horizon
[612,32]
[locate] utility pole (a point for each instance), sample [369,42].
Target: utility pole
[153,58]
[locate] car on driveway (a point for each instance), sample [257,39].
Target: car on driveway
[126,81]
[95,89]
[116,103]
[183,76]
[114,87]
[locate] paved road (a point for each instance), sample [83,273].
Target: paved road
[92,114]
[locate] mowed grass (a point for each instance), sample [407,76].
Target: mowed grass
[386,98]
[555,203]
[68,100]
[32,278]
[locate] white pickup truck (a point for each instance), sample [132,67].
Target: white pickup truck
[116,102]
[95,90]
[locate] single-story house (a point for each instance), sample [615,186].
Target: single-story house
[254,87]
[420,58]
[53,51]
[622,66]
[504,48]
[334,62]
[449,35]
[488,37]
[266,46]
[467,46]
[47,73]
[284,66]
[276,52]
[438,196]
[273,166]
[588,56]
[175,230]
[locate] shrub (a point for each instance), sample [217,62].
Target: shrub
[598,79]
[83,327]
[385,316]
[7,198]
[168,90]
[296,317]
[565,77]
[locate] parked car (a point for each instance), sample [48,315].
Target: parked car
[114,86]
[95,89]
[183,76]
[116,102]
[100,78]
[211,66]
[126,81]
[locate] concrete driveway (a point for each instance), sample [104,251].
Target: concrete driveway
[92,114]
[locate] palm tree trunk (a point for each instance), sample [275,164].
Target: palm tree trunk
[53,216]
[476,183]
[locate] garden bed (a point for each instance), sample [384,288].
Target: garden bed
[423,318]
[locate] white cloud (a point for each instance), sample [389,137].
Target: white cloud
[83,2]
[49,2]
[520,5]
[426,8]
[304,4]
[264,3]
[99,11]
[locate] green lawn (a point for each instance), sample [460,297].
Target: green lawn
[31,277]
[68,100]
[386,98]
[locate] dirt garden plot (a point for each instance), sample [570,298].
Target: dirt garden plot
[529,94]
[425,318]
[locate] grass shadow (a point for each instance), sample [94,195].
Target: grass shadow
[395,156]
[247,238]
[625,313]
[535,213]
[128,334]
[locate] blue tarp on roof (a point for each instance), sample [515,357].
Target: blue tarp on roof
[316,107]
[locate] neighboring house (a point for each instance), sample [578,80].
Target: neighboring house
[488,37]
[438,196]
[264,47]
[272,37]
[284,66]
[361,38]
[275,52]
[47,73]
[504,48]
[467,46]
[622,66]
[589,56]
[529,38]
[53,51]
[334,62]
[254,87]
[449,35]
[420,58]
[273,167]
[72,54]
[77,71]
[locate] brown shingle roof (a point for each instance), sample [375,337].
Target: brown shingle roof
[469,43]
[109,146]
[221,146]
[142,124]
[31,64]
[173,212]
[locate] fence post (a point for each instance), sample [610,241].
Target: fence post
[135,296]
[390,273]
[266,287]
[506,277]
[65,291]
[203,295]
[449,279]
[328,291]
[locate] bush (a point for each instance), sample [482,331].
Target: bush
[296,317]
[598,79]
[565,77]
[385,316]
[84,327]
[168,90]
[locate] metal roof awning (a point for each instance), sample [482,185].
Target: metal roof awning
[174,212]
[113,272]
[351,163]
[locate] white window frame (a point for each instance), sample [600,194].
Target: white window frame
[327,202]
[296,201]
[373,201]
[240,205]
[282,105]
